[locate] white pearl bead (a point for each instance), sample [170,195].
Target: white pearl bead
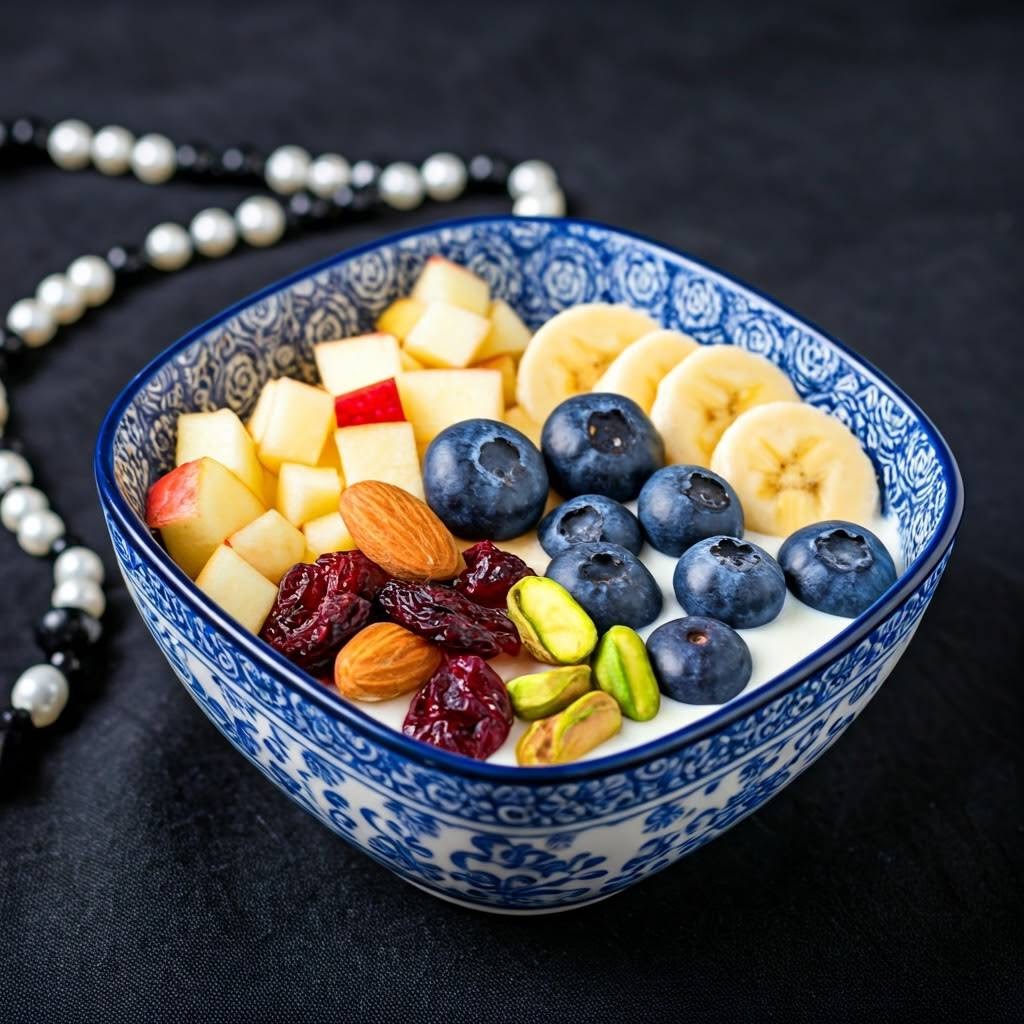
[42,691]
[540,204]
[38,530]
[214,233]
[153,159]
[401,186]
[93,277]
[287,169]
[260,220]
[364,172]
[61,297]
[80,593]
[444,176]
[531,176]
[68,144]
[19,502]
[5,409]
[168,246]
[111,149]
[14,469]
[78,563]
[327,174]
[33,321]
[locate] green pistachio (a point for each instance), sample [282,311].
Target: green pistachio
[567,736]
[544,693]
[552,626]
[622,669]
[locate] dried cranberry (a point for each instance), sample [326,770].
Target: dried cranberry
[464,707]
[448,619]
[352,570]
[489,574]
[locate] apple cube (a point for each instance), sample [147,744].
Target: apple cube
[240,590]
[399,317]
[376,403]
[307,492]
[444,281]
[257,422]
[506,366]
[269,491]
[328,533]
[435,399]
[196,507]
[297,424]
[222,436]
[353,363]
[270,544]
[508,334]
[517,417]
[329,456]
[408,362]
[447,336]
[381,451]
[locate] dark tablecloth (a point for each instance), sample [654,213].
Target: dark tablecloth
[864,166]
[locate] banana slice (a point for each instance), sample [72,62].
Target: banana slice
[516,417]
[637,370]
[571,351]
[792,465]
[698,399]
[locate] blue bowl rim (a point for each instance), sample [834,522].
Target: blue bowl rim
[430,757]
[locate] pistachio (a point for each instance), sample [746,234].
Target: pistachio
[552,625]
[622,669]
[567,736]
[540,694]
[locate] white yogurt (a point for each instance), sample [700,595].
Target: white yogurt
[796,632]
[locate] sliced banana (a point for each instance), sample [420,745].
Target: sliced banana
[571,351]
[637,371]
[792,465]
[698,399]
[516,417]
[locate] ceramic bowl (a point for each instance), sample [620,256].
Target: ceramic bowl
[487,836]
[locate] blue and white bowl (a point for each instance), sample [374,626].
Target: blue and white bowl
[488,836]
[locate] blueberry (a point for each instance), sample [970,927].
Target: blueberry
[730,579]
[837,567]
[698,660]
[614,587]
[681,505]
[590,517]
[485,480]
[600,443]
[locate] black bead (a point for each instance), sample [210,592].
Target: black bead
[195,159]
[14,720]
[305,210]
[61,544]
[67,629]
[487,173]
[13,343]
[240,161]
[3,366]
[67,661]
[5,137]
[12,444]
[29,132]
[126,261]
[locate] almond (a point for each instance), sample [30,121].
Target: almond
[399,532]
[384,661]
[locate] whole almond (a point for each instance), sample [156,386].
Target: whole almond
[384,661]
[399,532]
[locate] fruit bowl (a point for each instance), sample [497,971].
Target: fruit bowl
[496,837]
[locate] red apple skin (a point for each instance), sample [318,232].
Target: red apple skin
[175,496]
[375,403]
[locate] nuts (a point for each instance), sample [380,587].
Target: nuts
[567,736]
[540,694]
[552,625]
[623,670]
[399,532]
[384,661]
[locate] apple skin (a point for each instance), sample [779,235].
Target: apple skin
[376,403]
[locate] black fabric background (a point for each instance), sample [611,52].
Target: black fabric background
[863,165]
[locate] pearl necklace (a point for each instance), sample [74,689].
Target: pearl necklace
[314,192]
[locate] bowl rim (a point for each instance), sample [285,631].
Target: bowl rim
[429,757]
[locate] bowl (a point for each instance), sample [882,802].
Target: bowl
[494,837]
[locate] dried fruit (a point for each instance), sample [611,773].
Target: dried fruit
[399,532]
[464,707]
[623,670]
[541,694]
[446,618]
[567,736]
[384,661]
[552,625]
[489,574]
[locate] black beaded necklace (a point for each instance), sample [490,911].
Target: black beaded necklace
[314,193]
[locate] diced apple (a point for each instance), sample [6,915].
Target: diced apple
[435,399]
[376,403]
[297,425]
[516,417]
[328,533]
[506,366]
[447,336]
[257,423]
[508,334]
[196,507]
[381,451]
[444,281]
[270,544]
[408,362]
[306,492]
[240,590]
[399,317]
[355,362]
[329,455]
[269,488]
[222,436]
[310,556]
